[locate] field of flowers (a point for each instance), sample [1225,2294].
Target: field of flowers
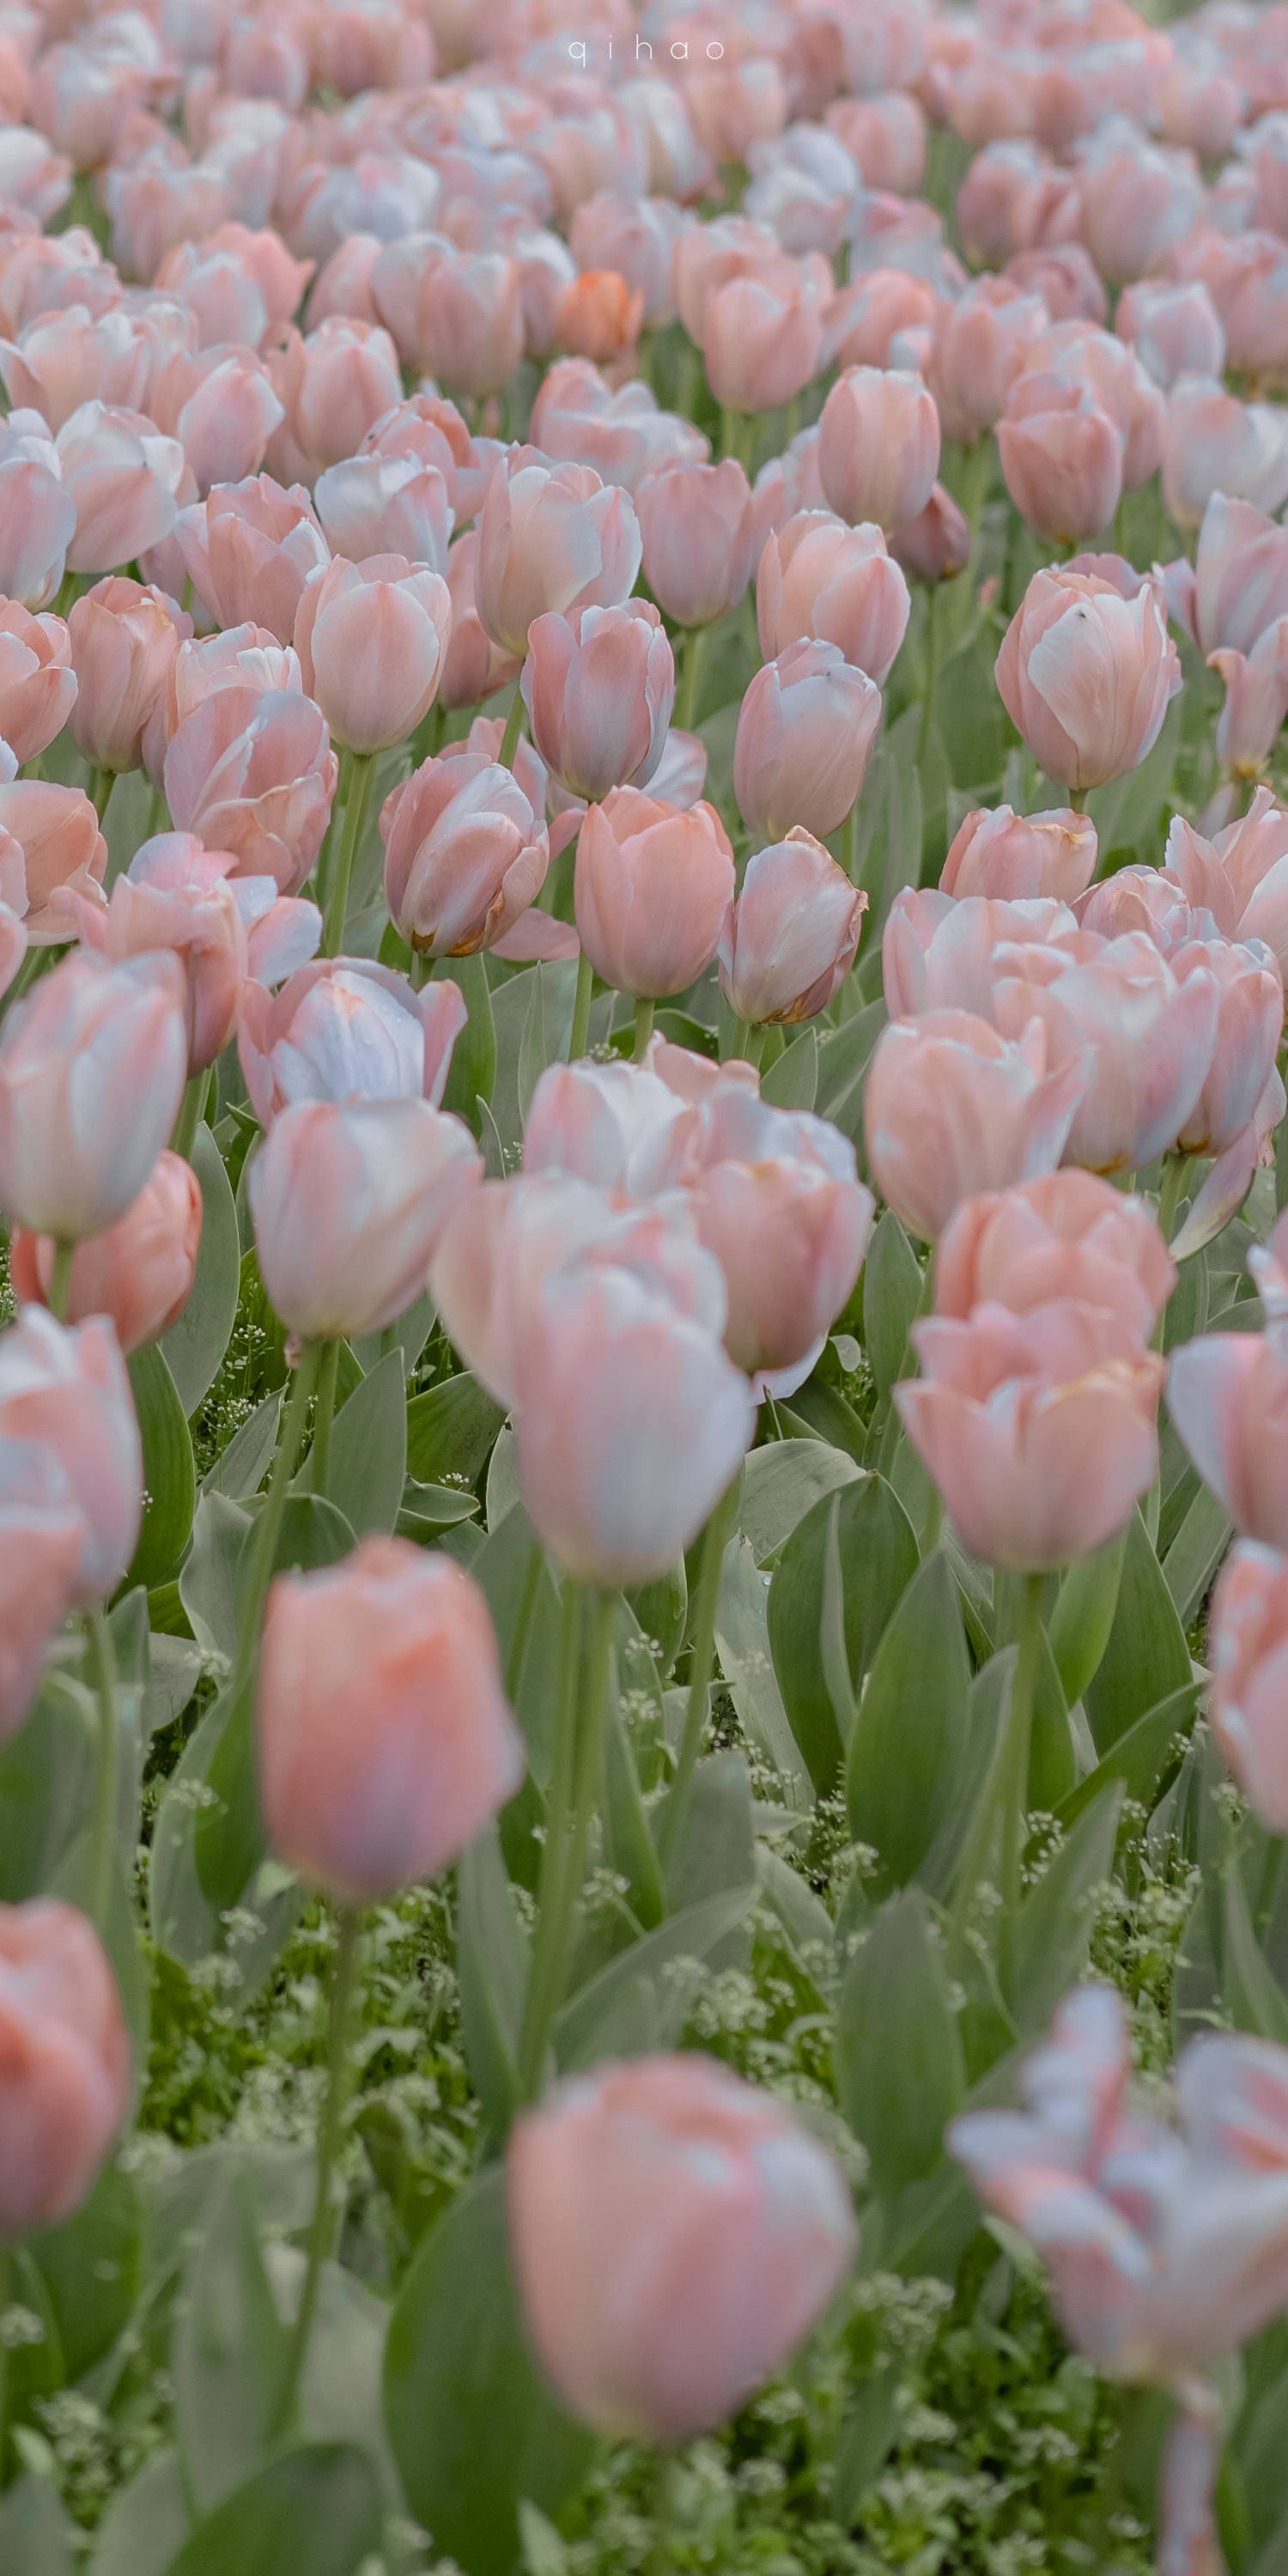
[644,1291]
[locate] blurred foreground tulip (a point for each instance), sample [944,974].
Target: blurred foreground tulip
[675,2234]
[1248,1648]
[64,2063]
[385,1741]
[40,1554]
[92,1069]
[140,1271]
[1227,1394]
[348,1200]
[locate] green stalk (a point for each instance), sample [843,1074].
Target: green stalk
[6,2286]
[928,686]
[581,1008]
[1013,1780]
[191,1112]
[1171,1192]
[574,1792]
[692,657]
[518,1654]
[675,1814]
[107,1773]
[1078,800]
[99,788]
[324,1414]
[267,1530]
[60,1283]
[513,729]
[344,1987]
[644,1010]
[361,765]
[749,1042]
[892,1425]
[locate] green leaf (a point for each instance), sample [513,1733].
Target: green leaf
[781,1482]
[908,1749]
[194,1347]
[844,1055]
[473,1068]
[230,2350]
[629,1846]
[1253,1993]
[639,2001]
[35,2534]
[367,1464]
[1057,1916]
[146,2524]
[1083,1617]
[792,1080]
[742,1641]
[878,1556]
[1136,1758]
[169,1476]
[316,2509]
[91,2268]
[208,1582]
[1146,1658]
[46,1789]
[1195,1553]
[892,1285]
[240,1468]
[719,1846]
[450,1430]
[899,2065]
[472,2426]
[492,1961]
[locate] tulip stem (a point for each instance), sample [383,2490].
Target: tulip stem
[324,1414]
[1078,800]
[889,1440]
[644,1010]
[1171,1191]
[513,729]
[581,1008]
[60,1283]
[693,654]
[670,1840]
[102,1661]
[516,1660]
[191,1111]
[355,806]
[749,1042]
[98,789]
[263,1539]
[6,2288]
[1013,1777]
[574,1791]
[928,680]
[344,1989]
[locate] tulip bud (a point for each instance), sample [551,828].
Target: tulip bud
[385,1741]
[1061,457]
[371,639]
[1249,1023]
[123,477]
[346,1029]
[1019,857]
[1247,1635]
[348,1201]
[952,1109]
[550,537]
[92,1069]
[879,446]
[372,504]
[978,351]
[599,687]
[37,682]
[140,1271]
[40,1551]
[697,529]
[123,640]
[1256,701]
[651,891]
[792,936]
[464,855]
[806,727]
[253,772]
[935,546]
[64,2063]
[67,1394]
[1069,1234]
[675,2234]
[762,338]
[629,1423]
[819,579]
[1086,675]
[1142,1037]
[249,549]
[1227,1394]
[779,1202]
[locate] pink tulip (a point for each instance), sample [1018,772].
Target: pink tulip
[1039,1429]
[464,855]
[1061,457]
[620,1126]
[550,538]
[65,2061]
[1250,1014]
[1218,447]
[1166,2252]
[37,682]
[1256,701]
[878,446]
[1065,277]
[221,406]
[123,478]
[348,1201]
[952,1109]
[139,1272]
[1228,1397]
[123,639]
[652,888]
[762,338]
[371,639]
[92,1069]
[255,774]
[37,517]
[381,505]
[629,1423]
[599,316]
[508,1238]
[1086,675]
[176,895]
[1021,856]
[241,657]
[345,1029]
[1173,329]
[935,546]
[41,1534]
[249,549]
[708,255]
[1138,202]
[468,321]
[335,385]
[697,531]
[887,135]
[65,1391]
[792,935]
[599,687]
[779,1202]
[940,952]
[675,2234]
[820,579]
[385,1740]
[52,835]
[806,728]
[977,352]
[1240,876]
[64,359]
[879,307]
[474,667]
[1066,1235]
[578,418]
[1143,1037]
[1247,1627]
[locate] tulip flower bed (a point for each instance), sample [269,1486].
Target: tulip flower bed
[644,1348]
